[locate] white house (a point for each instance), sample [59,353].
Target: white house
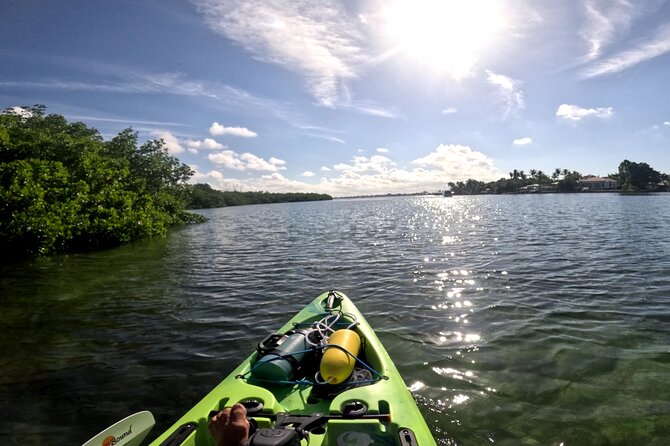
[591,182]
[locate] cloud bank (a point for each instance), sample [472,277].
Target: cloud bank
[362,175]
[246,162]
[380,175]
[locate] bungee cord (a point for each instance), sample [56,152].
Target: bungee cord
[334,320]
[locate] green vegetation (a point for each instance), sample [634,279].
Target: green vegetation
[64,189]
[201,196]
[561,180]
[631,176]
[638,177]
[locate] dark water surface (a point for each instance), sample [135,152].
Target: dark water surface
[515,320]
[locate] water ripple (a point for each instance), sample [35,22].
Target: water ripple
[514,319]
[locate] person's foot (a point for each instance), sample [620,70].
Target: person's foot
[230,427]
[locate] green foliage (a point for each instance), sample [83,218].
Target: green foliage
[469,187]
[630,176]
[638,176]
[561,180]
[62,188]
[242,198]
[568,181]
[202,196]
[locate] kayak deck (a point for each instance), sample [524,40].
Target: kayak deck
[392,417]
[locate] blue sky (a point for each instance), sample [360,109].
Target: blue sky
[360,97]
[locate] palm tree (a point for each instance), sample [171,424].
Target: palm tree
[556,174]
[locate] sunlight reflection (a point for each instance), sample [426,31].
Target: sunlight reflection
[417,385]
[458,337]
[448,239]
[454,373]
[460,399]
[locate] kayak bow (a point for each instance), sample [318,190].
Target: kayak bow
[323,379]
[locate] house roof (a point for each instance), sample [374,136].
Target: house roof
[596,180]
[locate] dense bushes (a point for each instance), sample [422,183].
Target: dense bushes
[62,188]
[203,196]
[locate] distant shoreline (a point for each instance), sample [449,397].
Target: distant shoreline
[416,194]
[440,194]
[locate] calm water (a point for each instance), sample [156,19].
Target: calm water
[515,320]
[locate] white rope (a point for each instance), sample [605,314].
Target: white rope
[326,326]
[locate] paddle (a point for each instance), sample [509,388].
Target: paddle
[128,432]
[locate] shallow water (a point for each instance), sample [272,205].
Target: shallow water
[532,320]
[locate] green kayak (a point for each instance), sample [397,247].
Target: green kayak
[323,379]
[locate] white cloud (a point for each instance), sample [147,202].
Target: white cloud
[315,38]
[374,175]
[576,113]
[666,123]
[171,142]
[605,20]
[308,173]
[274,182]
[321,133]
[380,175]
[456,162]
[175,83]
[246,161]
[382,150]
[449,111]
[128,121]
[127,82]
[217,129]
[523,141]
[207,144]
[228,159]
[655,46]
[326,169]
[375,164]
[19,111]
[217,180]
[119,79]
[213,176]
[510,93]
[326,137]
[277,162]
[16,110]
[368,108]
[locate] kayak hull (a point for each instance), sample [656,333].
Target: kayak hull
[392,415]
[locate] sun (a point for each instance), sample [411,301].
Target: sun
[445,35]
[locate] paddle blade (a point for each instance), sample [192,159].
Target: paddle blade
[128,432]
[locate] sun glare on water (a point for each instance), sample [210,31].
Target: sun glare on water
[444,35]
